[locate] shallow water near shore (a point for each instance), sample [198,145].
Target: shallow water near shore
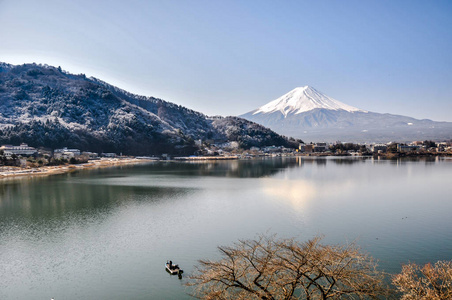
[107,233]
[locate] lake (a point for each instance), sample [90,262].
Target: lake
[107,233]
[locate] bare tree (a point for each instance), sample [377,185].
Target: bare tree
[426,283]
[270,268]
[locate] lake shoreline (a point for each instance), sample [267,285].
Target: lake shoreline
[13,172]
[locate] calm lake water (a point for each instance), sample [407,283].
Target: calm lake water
[106,234]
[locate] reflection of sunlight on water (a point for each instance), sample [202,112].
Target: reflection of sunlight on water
[298,193]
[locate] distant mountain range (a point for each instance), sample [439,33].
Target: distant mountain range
[45,106]
[307,114]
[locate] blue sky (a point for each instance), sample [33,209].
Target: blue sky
[229,57]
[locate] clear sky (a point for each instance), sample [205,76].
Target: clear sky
[229,57]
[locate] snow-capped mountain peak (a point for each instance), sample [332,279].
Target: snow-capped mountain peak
[303,99]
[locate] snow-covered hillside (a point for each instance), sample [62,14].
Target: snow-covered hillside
[46,106]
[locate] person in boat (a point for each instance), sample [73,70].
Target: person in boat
[170,265]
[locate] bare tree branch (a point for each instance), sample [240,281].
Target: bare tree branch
[429,282]
[271,268]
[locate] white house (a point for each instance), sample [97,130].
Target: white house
[23,149]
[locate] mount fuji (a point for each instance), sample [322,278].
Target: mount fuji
[310,115]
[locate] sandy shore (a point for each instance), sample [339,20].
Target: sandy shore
[6,171]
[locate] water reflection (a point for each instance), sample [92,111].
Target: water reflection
[254,168]
[57,195]
[297,193]
[105,234]
[52,197]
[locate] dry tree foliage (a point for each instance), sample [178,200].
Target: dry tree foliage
[270,268]
[426,283]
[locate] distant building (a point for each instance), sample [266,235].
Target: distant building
[441,147]
[66,153]
[407,148]
[378,148]
[90,155]
[23,149]
[308,148]
[320,147]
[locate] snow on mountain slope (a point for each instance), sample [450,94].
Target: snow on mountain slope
[303,99]
[47,107]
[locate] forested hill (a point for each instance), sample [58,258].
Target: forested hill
[45,106]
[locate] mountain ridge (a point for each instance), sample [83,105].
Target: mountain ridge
[48,107]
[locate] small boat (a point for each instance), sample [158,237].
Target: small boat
[173,269]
